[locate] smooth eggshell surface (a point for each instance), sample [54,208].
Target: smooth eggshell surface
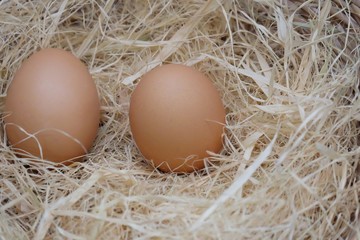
[176,116]
[52,107]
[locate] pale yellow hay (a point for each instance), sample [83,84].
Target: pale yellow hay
[288,73]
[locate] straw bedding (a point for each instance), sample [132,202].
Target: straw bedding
[288,74]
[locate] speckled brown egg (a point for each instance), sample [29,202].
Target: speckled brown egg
[176,116]
[52,108]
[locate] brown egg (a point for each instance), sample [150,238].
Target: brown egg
[176,116]
[52,107]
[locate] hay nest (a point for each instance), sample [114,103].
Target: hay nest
[288,72]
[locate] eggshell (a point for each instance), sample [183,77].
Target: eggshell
[52,108]
[176,116]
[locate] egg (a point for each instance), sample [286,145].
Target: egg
[52,108]
[176,116]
